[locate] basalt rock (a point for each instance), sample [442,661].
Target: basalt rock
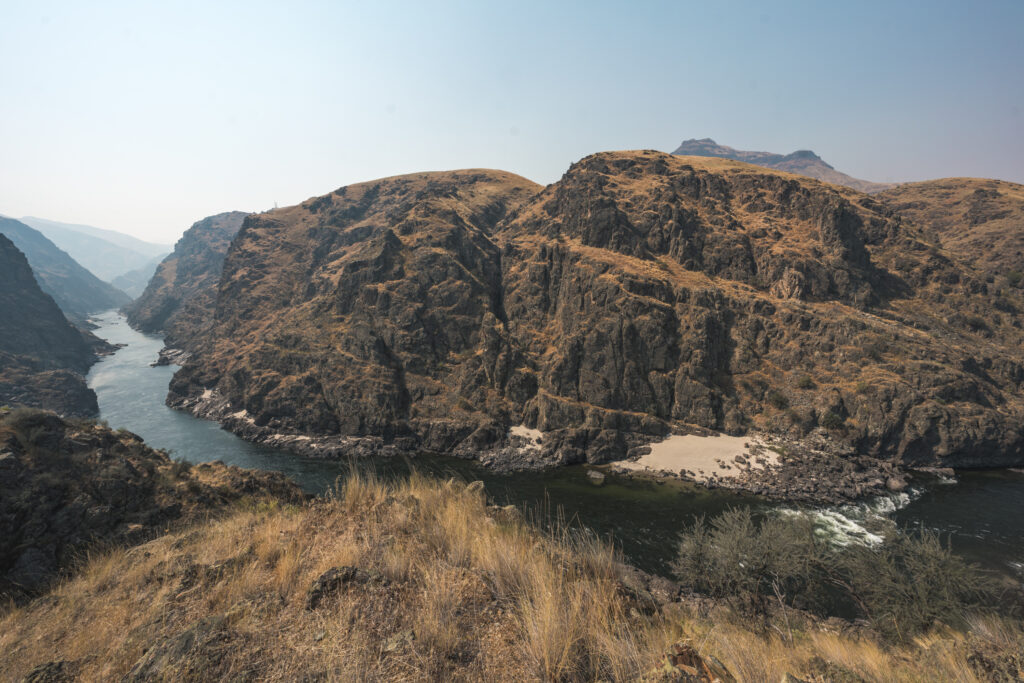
[67,486]
[642,294]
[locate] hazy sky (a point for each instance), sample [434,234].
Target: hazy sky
[144,117]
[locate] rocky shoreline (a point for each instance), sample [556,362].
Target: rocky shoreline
[815,470]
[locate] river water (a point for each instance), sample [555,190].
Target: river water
[983,513]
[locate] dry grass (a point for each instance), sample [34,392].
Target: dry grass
[449,593]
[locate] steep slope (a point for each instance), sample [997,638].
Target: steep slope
[979,221]
[134,282]
[105,253]
[42,356]
[801,162]
[77,291]
[179,297]
[642,294]
[68,486]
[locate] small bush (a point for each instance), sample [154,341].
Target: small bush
[777,399]
[805,382]
[1014,277]
[903,586]
[862,387]
[833,421]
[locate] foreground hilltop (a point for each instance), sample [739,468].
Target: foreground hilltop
[644,293]
[803,162]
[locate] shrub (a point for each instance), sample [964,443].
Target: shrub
[833,421]
[1014,277]
[805,382]
[903,586]
[862,387]
[777,399]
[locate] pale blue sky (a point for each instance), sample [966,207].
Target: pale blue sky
[146,116]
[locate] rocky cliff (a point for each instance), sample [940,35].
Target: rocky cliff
[644,293]
[179,297]
[803,162]
[978,221]
[66,487]
[78,292]
[42,356]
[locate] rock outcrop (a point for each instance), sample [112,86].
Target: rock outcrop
[179,297]
[67,486]
[42,356]
[802,162]
[78,292]
[642,294]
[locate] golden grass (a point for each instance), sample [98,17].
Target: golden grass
[453,594]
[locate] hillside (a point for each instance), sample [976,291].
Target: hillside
[70,486]
[979,221]
[105,253]
[134,282]
[642,294]
[42,356]
[77,291]
[801,162]
[179,296]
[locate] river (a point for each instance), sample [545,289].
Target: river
[983,513]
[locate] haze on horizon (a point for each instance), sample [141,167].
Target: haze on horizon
[145,117]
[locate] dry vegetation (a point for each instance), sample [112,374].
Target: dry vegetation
[446,589]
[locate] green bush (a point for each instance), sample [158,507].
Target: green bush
[1014,277]
[833,421]
[806,382]
[777,399]
[903,586]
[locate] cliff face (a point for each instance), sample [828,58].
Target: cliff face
[179,297]
[978,221]
[42,356]
[643,293]
[802,162]
[78,292]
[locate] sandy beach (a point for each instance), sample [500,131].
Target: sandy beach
[703,456]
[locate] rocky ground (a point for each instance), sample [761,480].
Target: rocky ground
[67,487]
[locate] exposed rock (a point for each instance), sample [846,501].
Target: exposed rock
[42,356]
[179,298]
[595,477]
[643,294]
[333,579]
[65,486]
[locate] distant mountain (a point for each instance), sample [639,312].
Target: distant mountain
[977,220]
[42,356]
[106,253]
[76,290]
[183,287]
[801,162]
[134,282]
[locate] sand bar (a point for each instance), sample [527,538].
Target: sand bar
[703,456]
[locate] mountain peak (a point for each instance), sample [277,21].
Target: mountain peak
[802,162]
